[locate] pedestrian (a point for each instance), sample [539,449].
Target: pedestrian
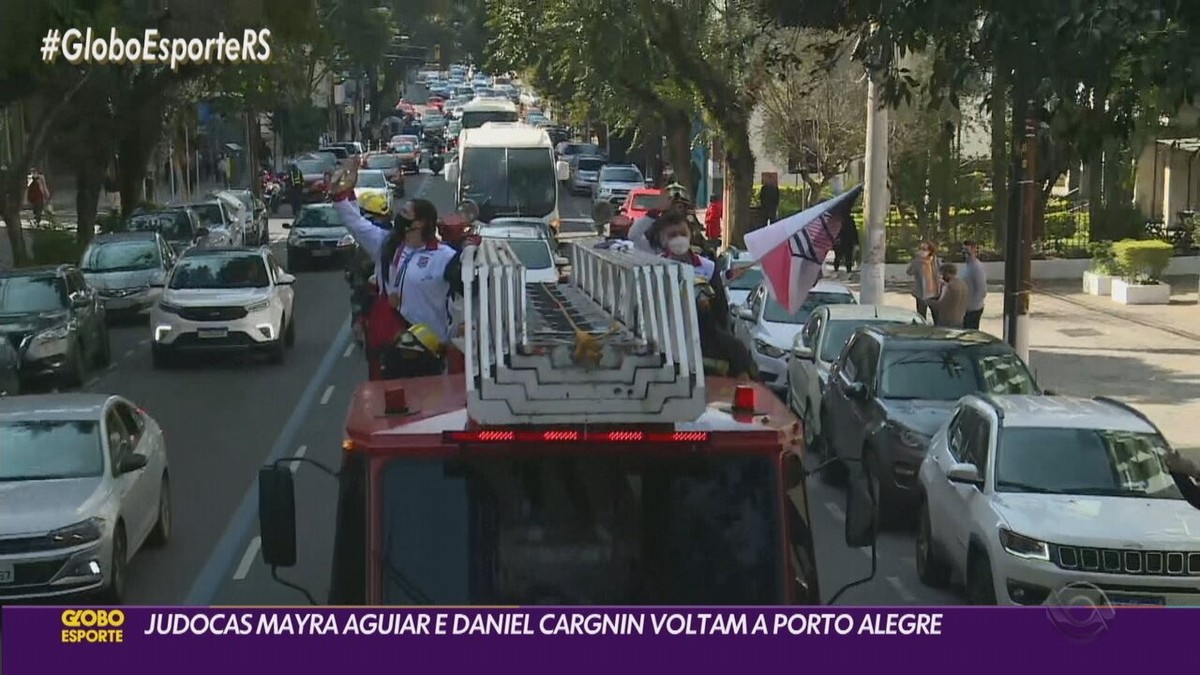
[712,220]
[847,242]
[976,279]
[38,195]
[768,197]
[924,272]
[951,304]
[223,170]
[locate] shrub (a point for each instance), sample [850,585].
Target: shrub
[111,221]
[1143,261]
[1104,261]
[54,246]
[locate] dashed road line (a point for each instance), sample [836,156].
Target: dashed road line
[905,594]
[130,353]
[243,567]
[328,393]
[349,351]
[299,453]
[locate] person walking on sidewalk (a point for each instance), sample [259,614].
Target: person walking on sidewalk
[223,170]
[768,197]
[976,279]
[924,272]
[38,195]
[950,306]
[847,242]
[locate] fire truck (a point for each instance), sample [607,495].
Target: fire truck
[584,458]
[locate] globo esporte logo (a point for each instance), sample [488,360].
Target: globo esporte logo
[93,625]
[1080,611]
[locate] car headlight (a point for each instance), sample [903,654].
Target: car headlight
[768,349]
[168,307]
[258,306]
[53,334]
[1024,547]
[80,533]
[908,437]
[347,240]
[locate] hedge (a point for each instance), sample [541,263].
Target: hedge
[1143,260]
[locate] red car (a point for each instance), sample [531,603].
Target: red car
[640,201]
[436,102]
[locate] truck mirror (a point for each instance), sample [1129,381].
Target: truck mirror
[452,171]
[277,515]
[860,507]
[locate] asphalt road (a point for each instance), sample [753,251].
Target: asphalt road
[223,420]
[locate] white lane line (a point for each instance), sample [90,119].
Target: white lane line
[327,394]
[836,512]
[144,342]
[349,350]
[243,567]
[90,383]
[129,354]
[299,453]
[905,594]
[112,367]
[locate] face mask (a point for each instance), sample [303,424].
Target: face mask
[679,245]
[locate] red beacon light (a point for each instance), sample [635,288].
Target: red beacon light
[743,398]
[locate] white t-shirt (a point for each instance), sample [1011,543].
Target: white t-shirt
[637,234]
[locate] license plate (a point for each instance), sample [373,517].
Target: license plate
[1136,600]
[6,573]
[209,333]
[322,252]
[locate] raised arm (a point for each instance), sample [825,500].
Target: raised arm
[367,234]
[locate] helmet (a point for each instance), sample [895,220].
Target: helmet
[420,338]
[376,204]
[677,193]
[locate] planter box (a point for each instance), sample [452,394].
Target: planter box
[1138,294]
[1097,284]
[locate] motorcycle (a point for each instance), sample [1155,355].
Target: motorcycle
[437,160]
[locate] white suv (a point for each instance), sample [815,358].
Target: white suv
[1025,496]
[230,299]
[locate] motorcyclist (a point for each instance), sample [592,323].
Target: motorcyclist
[360,268]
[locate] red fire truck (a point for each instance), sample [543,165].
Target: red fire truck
[585,458]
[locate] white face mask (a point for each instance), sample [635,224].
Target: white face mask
[679,245]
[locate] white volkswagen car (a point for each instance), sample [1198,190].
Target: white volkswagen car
[532,247]
[768,330]
[235,299]
[84,485]
[1036,500]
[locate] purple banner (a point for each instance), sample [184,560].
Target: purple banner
[181,640]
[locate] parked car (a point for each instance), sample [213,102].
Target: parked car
[221,300]
[318,234]
[894,386]
[1023,495]
[222,221]
[641,200]
[124,268]
[55,321]
[178,225]
[86,487]
[768,330]
[818,346]
[585,174]
[257,229]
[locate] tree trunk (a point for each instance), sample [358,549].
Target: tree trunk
[10,209]
[739,177]
[89,183]
[131,174]
[1093,173]
[999,124]
[679,147]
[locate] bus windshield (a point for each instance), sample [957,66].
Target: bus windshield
[473,119]
[611,529]
[510,181]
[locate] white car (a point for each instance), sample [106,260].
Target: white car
[1026,495]
[215,300]
[84,485]
[373,181]
[768,330]
[532,248]
[817,347]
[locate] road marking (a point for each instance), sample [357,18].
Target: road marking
[129,354]
[327,394]
[349,350]
[243,567]
[224,554]
[112,367]
[836,512]
[144,342]
[905,594]
[299,453]
[90,383]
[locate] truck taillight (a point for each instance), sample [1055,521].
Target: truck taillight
[573,436]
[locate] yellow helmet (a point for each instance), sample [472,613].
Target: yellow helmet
[420,337]
[375,204]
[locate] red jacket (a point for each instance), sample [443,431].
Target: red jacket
[712,220]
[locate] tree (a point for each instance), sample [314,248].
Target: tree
[815,116]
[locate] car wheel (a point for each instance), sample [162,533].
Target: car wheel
[980,588]
[289,334]
[161,533]
[114,592]
[161,356]
[104,353]
[931,569]
[835,473]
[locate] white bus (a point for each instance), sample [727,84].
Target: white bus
[508,169]
[481,111]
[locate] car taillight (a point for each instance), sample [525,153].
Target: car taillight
[573,436]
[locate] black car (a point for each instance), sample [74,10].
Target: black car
[10,369]
[894,386]
[55,321]
[318,235]
[179,226]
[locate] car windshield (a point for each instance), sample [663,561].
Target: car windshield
[210,215]
[372,180]
[24,295]
[621,175]
[510,181]
[172,225]
[220,271]
[121,256]
[534,254]
[318,217]
[1096,462]
[609,529]
[382,162]
[949,372]
[838,333]
[590,164]
[50,450]
[405,148]
[645,202]
[571,149]
[777,313]
[310,166]
[748,281]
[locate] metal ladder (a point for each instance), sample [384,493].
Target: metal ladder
[617,343]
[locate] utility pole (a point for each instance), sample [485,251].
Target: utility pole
[1016,306]
[876,201]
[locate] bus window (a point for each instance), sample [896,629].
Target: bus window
[473,119]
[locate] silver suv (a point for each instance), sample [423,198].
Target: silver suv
[615,183]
